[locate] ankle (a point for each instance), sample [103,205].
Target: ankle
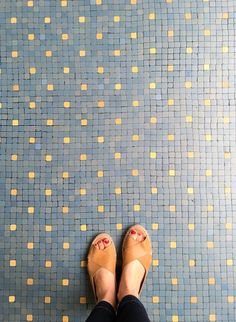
[125,292]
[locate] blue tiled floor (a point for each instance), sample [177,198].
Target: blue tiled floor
[114,113]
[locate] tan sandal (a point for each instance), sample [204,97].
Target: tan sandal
[101,258]
[141,251]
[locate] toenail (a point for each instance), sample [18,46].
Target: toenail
[106,241]
[133,232]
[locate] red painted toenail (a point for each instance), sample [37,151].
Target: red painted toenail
[106,241]
[133,232]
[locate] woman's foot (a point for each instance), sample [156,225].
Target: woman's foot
[132,273]
[105,282]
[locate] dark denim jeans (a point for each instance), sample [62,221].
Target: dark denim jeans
[130,309]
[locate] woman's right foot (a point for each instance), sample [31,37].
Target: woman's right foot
[132,273]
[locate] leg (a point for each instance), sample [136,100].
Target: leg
[102,312]
[130,309]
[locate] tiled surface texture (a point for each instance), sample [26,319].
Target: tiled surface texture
[114,113]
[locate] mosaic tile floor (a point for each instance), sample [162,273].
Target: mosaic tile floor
[114,113]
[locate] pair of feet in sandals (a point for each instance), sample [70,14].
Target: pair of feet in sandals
[136,253]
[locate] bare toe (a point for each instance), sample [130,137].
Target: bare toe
[133,234]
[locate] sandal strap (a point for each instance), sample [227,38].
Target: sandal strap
[105,258]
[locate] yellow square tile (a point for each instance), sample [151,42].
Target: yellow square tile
[230,299]
[83,157]
[118,190]
[208,137]
[13,20]
[170,33]
[133,35]
[47,299]
[171,101]
[66,70]
[225,49]
[188,118]
[48,228]
[65,210]
[136,207]
[12,263]
[118,121]
[152,85]
[171,172]
[155,299]
[100,208]
[99,36]
[135,172]
[226,120]
[83,191]
[48,192]
[191,226]
[212,317]
[190,190]
[98,2]
[189,50]
[174,281]
[153,155]
[47,19]
[210,244]
[11,299]
[48,53]
[153,120]
[84,122]
[32,140]
[66,139]
[172,208]
[170,68]
[227,155]
[118,86]
[15,122]
[190,154]
[29,317]
[30,3]
[83,263]
[15,87]
[207,32]
[207,102]
[100,104]
[170,137]
[66,245]
[12,227]
[65,318]
[82,19]
[154,226]
[151,16]
[82,53]
[193,299]
[229,262]
[50,122]
[211,281]
[225,15]
[30,281]
[50,87]
[31,36]
[134,69]
[65,175]
[65,282]
[14,157]
[32,105]
[48,264]
[225,84]
[100,70]
[117,155]
[175,318]
[31,175]
[119,226]
[100,174]
[116,18]
[30,210]
[84,87]
[154,190]
[188,16]
[30,245]
[64,3]
[206,66]
[188,84]
[173,244]
[133,1]
[228,225]
[13,192]
[155,262]
[116,52]
[210,208]
[192,263]
[14,54]
[135,103]
[152,50]
[100,139]
[66,104]
[48,158]
[83,300]
[64,36]
[208,173]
